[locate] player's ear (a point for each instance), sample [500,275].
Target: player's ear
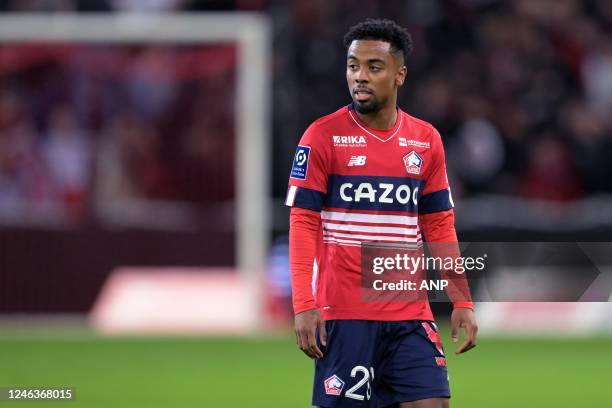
[400,77]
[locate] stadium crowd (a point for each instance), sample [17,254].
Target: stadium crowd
[520,90]
[80,124]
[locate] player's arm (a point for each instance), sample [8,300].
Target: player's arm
[306,193]
[439,230]
[437,221]
[303,235]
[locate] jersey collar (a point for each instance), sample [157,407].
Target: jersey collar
[382,135]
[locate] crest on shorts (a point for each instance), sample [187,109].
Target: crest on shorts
[413,162]
[333,385]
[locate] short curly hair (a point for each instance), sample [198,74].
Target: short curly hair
[382,30]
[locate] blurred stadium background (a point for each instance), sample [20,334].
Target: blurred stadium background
[144,154]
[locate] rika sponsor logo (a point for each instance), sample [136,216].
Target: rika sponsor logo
[403,142]
[349,141]
[333,385]
[413,162]
[357,161]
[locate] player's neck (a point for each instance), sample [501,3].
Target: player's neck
[382,120]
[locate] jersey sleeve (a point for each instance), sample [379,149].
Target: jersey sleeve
[304,228]
[437,222]
[436,194]
[439,229]
[309,172]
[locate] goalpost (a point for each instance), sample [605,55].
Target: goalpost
[251,33]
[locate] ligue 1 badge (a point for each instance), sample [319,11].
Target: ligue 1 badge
[413,162]
[299,170]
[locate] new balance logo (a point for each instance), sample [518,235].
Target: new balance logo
[357,161]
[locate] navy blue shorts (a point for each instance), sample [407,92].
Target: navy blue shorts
[379,364]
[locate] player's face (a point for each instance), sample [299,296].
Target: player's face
[373,74]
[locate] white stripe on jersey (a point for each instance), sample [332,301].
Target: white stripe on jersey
[291,196]
[342,242]
[368,237]
[315,277]
[402,220]
[354,243]
[344,232]
[367,228]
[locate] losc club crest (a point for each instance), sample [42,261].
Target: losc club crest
[413,162]
[334,385]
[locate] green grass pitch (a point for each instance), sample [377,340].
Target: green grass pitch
[272,372]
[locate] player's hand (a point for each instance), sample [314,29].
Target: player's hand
[464,318]
[306,325]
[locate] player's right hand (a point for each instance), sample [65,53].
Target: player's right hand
[306,325]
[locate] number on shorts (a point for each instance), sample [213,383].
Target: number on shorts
[351,392]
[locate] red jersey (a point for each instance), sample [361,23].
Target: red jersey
[369,186]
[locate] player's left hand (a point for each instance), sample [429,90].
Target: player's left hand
[464,318]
